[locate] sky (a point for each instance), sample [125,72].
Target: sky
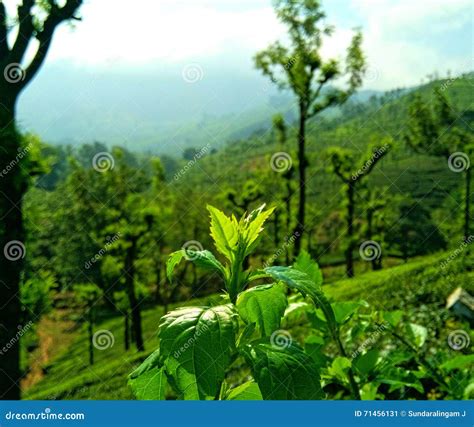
[405,40]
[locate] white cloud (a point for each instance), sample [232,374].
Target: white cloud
[149,30]
[406,40]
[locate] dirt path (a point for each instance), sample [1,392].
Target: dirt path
[55,334]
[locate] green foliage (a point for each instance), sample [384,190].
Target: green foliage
[36,298]
[264,306]
[199,344]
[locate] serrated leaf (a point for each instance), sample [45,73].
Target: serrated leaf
[148,381]
[305,263]
[300,281]
[197,343]
[173,260]
[206,259]
[246,391]
[263,305]
[224,231]
[283,373]
[255,227]
[203,259]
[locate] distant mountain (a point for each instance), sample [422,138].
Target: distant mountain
[153,109]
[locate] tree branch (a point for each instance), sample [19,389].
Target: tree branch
[26,31]
[56,17]
[4,50]
[370,163]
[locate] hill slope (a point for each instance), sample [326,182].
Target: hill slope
[420,286]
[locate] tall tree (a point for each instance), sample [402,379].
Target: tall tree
[300,68]
[36,21]
[343,166]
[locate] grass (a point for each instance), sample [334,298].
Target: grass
[419,287]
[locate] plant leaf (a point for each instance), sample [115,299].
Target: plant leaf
[263,305]
[283,373]
[246,391]
[458,362]
[148,381]
[305,264]
[224,231]
[197,343]
[417,334]
[255,227]
[173,260]
[365,363]
[206,260]
[300,281]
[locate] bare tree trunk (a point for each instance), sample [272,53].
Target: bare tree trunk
[90,332]
[350,229]
[12,250]
[126,327]
[132,297]
[467,207]
[299,229]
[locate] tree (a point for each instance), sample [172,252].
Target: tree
[281,132]
[301,68]
[88,295]
[37,21]
[413,232]
[434,130]
[342,164]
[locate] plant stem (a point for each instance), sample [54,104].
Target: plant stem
[350,374]
[422,360]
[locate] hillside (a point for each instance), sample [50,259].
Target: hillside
[419,287]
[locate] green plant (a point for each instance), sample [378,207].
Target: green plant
[349,351]
[199,345]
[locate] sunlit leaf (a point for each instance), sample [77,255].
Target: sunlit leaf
[197,343]
[263,305]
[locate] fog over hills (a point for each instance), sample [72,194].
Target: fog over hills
[158,109]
